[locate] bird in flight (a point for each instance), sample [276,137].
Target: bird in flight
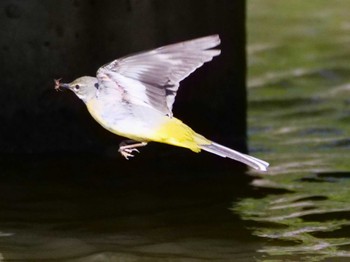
[133,97]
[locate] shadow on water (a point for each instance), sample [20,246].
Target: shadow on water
[299,111]
[92,208]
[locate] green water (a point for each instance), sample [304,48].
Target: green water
[299,118]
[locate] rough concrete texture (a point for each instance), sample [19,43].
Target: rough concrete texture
[43,40]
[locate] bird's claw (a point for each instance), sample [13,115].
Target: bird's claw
[127,152]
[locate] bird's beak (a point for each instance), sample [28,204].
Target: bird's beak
[59,85]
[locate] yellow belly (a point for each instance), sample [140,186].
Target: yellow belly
[169,130]
[175,132]
[94,109]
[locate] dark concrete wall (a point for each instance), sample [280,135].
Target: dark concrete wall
[43,40]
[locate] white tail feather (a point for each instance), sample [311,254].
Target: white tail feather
[233,154]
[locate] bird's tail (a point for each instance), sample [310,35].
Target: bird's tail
[176,133]
[223,151]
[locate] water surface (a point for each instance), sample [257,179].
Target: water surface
[299,111]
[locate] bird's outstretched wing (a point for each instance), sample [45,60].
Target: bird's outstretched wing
[152,78]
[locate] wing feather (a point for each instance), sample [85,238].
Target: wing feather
[152,78]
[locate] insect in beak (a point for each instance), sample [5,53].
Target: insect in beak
[58,85]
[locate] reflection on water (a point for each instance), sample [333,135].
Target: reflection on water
[92,208]
[311,207]
[299,108]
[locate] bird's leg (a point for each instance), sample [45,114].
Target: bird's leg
[126,149]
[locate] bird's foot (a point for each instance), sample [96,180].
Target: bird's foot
[127,150]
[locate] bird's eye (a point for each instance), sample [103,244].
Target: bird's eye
[96,85]
[77,87]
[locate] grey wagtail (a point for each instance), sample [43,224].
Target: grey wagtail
[133,97]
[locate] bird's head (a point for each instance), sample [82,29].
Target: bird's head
[84,87]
